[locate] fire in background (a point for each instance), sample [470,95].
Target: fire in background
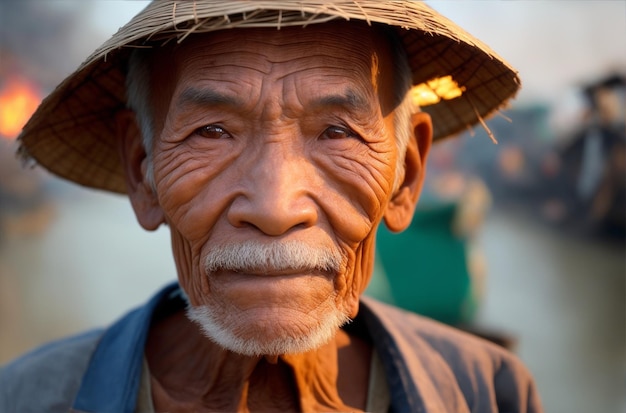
[18,100]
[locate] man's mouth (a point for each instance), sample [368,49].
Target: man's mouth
[274,272]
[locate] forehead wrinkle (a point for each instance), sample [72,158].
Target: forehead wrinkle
[316,53]
[192,96]
[333,76]
[212,51]
[318,41]
[349,100]
[260,65]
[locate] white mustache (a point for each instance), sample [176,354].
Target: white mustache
[276,256]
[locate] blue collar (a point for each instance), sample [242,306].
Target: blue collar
[111,382]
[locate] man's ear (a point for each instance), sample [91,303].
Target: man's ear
[401,207]
[135,163]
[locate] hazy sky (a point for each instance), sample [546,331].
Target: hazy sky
[552,43]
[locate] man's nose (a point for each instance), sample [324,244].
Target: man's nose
[276,195]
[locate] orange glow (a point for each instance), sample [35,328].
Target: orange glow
[433,91]
[18,101]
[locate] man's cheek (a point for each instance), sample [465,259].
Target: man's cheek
[188,205]
[368,179]
[181,173]
[190,268]
[358,214]
[366,263]
[351,284]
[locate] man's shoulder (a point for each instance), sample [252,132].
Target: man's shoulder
[442,338]
[484,372]
[47,378]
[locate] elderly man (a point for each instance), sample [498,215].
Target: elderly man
[272,138]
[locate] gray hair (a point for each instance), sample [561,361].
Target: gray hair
[403,103]
[138,99]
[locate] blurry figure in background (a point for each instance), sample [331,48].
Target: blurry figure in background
[24,206]
[594,159]
[440,249]
[510,169]
[28,70]
[272,156]
[26,209]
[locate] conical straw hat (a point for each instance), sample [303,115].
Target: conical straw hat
[72,133]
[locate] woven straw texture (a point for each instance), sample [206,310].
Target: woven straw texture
[72,133]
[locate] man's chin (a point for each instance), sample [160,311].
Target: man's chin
[254,339]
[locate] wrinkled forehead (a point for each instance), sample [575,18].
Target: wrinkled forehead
[347,51]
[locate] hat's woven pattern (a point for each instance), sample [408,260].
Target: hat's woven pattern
[73,132]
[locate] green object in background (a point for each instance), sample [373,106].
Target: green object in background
[425,268]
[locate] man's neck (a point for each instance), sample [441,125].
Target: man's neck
[190,373]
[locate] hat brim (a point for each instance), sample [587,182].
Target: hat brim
[72,133]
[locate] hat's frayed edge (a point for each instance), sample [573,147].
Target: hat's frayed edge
[26,160]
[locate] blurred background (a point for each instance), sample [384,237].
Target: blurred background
[522,242]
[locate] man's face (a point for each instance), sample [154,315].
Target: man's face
[274,161]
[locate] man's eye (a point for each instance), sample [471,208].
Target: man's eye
[336,132]
[212,132]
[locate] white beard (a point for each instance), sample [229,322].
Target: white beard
[213,327]
[221,324]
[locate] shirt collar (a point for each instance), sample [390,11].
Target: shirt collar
[111,382]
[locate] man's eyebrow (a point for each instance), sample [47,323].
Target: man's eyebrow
[349,100]
[207,97]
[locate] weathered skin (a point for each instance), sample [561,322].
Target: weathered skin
[292,140]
